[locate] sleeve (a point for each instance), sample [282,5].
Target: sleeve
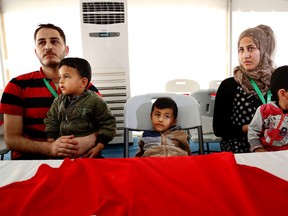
[140,151]
[52,122]
[106,129]
[184,141]
[222,124]
[11,101]
[255,130]
[150,134]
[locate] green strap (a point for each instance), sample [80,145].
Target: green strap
[54,93]
[253,83]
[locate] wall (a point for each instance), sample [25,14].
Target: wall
[248,14]
[167,39]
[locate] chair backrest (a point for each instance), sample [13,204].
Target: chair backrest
[182,86]
[3,147]
[206,99]
[214,84]
[137,115]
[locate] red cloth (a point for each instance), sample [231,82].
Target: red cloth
[194,185]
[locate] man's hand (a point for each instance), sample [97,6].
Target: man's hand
[64,146]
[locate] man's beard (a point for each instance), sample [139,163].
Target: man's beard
[51,64]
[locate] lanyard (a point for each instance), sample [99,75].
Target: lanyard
[253,83]
[54,93]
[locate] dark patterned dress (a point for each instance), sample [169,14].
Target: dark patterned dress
[233,109]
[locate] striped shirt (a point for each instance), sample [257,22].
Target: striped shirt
[28,96]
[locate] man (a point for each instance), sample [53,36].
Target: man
[28,97]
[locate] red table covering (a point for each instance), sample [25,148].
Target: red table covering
[194,185]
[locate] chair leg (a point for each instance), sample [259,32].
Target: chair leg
[207,148]
[126,143]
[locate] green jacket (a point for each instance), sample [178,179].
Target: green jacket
[82,116]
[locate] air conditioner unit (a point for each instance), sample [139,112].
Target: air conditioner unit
[105,45]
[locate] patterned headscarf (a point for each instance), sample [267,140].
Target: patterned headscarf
[264,39]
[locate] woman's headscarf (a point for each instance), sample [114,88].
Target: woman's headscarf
[264,39]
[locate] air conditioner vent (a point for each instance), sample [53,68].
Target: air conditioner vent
[103,6]
[103,13]
[112,88]
[103,19]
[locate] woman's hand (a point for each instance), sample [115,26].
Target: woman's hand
[260,150]
[245,128]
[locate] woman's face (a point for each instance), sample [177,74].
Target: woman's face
[248,54]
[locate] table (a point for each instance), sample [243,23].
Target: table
[203,185]
[275,163]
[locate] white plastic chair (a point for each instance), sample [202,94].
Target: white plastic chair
[206,100]
[183,86]
[3,148]
[214,84]
[137,115]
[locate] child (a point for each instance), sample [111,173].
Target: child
[268,130]
[78,111]
[166,139]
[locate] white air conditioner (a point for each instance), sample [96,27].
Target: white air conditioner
[105,45]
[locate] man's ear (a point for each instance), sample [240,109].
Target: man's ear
[67,50]
[36,53]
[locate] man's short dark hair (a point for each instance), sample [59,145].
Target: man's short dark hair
[166,103]
[51,26]
[83,67]
[279,80]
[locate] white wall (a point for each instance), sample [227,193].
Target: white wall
[20,21]
[176,40]
[247,14]
[167,39]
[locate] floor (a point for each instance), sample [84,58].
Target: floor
[117,151]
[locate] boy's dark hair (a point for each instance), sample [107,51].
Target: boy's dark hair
[279,80]
[51,26]
[164,103]
[83,67]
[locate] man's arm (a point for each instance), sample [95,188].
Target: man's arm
[64,146]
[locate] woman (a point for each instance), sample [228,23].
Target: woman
[239,96]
